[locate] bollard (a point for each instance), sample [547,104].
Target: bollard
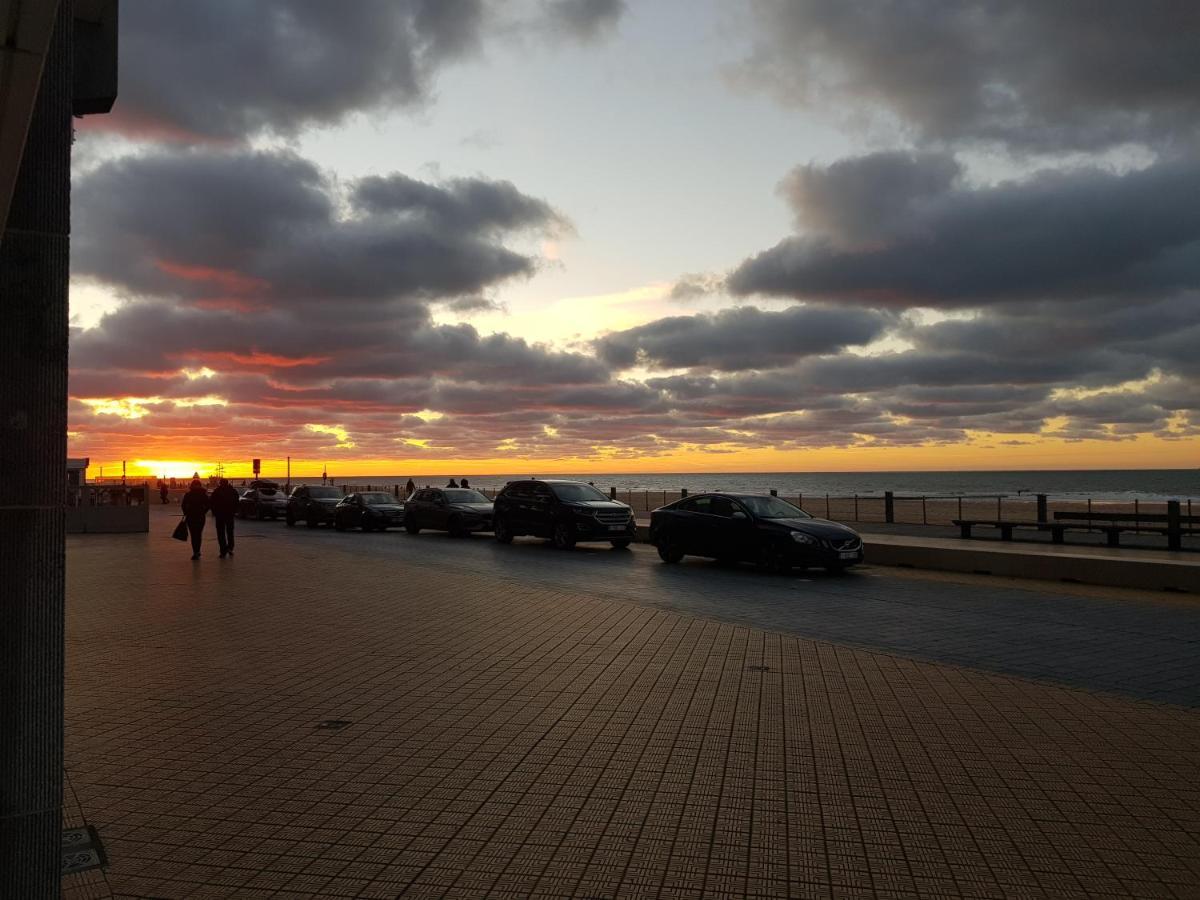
[683,492]
[1041,506]
[612,493]
[774,493]
[889,506]
[1174,532]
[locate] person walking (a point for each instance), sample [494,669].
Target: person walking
[410,488]
[163,493]
[195,508]
[224,504]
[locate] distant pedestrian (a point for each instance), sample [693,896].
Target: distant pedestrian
[163,492]
[462,482]
[195,507]
[452,483]
[224,504]
[410,488]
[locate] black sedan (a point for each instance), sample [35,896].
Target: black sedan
[263,501]
[456,510]
[368,510]
[752,528]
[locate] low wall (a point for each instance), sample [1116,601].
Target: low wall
[107,519]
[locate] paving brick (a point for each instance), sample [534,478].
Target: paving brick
[514,737]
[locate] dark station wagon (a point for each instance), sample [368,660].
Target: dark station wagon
[758,528]
[456,510]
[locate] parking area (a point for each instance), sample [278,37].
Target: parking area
[1142,644]
[386,715]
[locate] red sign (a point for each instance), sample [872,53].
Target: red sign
[257,465]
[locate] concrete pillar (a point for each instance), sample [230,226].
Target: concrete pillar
[34,260]
[1042,516]
[889,506]
[1174,526]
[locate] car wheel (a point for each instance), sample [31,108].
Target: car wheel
[564,537]
[311,522]
[669,551]
[289,521]
[337,523]
[412,527]
[621,544]
[772,559]
[501,531]
[455,527]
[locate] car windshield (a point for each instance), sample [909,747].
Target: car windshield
[467,496]
[571,491]
[375,498]
[325,493]
[772,508]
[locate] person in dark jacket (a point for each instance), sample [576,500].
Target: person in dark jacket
[195,508]
[452,483]
[410,488]
[462,482]
[224,504]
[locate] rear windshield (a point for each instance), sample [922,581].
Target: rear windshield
[467,496]
[772,508]
[325,493]
[377,497]
[571,491]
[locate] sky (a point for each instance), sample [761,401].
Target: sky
[473,236]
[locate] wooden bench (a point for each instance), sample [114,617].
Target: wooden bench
[1113,523]
[1006,526]
[1064,522]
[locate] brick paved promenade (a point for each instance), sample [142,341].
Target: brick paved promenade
[512,738]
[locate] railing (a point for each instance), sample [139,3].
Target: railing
[885,508]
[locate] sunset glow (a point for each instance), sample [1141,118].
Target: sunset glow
[712,242]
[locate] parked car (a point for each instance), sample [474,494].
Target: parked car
[759,528]
[457,510]
[312,504]
[368,510]
[563,511]
[263,501]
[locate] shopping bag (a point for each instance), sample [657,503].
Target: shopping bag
[181,532]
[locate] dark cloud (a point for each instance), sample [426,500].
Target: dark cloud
[583,19]
[1071,74]
[741,338]
[224,69]
[252,229]
[1059,235]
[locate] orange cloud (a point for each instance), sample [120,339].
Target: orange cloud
[228,280]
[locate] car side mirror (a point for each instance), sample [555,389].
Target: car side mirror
[740,516]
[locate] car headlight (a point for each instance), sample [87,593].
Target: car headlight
[801,538]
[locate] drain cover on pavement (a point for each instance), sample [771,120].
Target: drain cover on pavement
[81,850]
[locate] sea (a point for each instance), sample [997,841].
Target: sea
[1097,484]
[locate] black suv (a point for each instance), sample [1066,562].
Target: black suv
[312,504]
[564,511]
